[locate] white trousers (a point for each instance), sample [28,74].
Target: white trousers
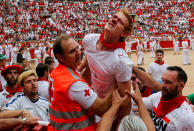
[140,58]
[13,59]
[152,53]
[186,56]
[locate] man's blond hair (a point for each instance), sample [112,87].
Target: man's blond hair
[24,75]
[127,13]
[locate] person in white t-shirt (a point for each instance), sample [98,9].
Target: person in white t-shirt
[128,47]
[176,46]
[42,70]
[14,51]
[169,108]
[28,100]
[7,51]
[158,67]
[109,64]
[140,54]
[46,54]
[152,48]
[37,54]
[191,38]
[157,45]
[186,55]
[27,56]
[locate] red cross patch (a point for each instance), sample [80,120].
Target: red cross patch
[87,92]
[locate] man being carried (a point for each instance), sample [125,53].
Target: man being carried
[109,64]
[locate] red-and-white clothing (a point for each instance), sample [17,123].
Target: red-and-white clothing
[180,119]
[6,95]
[107,66]
[186,55]
[157,70]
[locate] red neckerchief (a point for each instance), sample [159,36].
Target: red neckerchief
[111,45]
[157,62]
[165,107]
[42,79]
[147,92]
[13,91]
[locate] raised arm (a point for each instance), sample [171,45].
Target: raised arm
[83,64]
[142,109]
[125,108]
[147,79]
[107,119]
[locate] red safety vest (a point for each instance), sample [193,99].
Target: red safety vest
[66,114]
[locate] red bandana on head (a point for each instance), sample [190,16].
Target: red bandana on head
[165,107]
[111,45]
[160,63]
[13,91]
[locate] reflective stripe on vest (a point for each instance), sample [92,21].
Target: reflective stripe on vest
[71,72]
[73,126]
[67,115]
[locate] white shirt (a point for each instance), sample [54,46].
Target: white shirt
[45,56]
[81,93]
[128,46]
[107,66]
[3,99]
[139,48]
[3,81]
[180,119]
[37,53]
[176,43]
[43,89]
[185,44]
[27,55]
[157,70]
[22,102]
[14,51]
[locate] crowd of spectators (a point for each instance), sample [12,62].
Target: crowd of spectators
[44,20]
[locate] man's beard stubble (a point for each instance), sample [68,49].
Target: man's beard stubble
[11,83]
[170,95]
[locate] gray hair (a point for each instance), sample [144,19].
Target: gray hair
[132,123]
